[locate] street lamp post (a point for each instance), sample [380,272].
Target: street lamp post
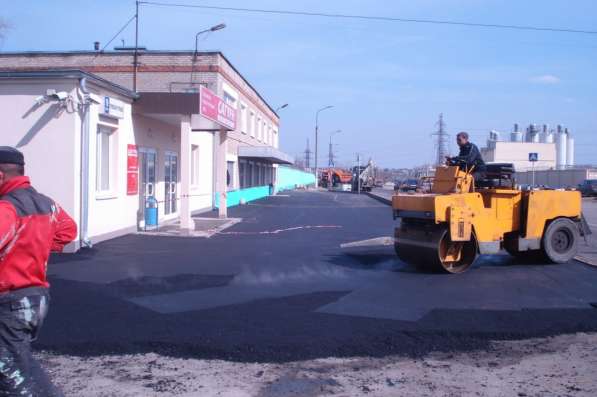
[196,53]
[331,154]
[281,107]
[316,139]
[212,29]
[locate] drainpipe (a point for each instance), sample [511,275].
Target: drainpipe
[84,178]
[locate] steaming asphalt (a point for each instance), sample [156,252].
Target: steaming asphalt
[277,287]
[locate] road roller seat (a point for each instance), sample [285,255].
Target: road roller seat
[495,175]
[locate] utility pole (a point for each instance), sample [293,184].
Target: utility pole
[442,141]
[358,173]
[331,149]
[317,140]
[307,156]
[136,55]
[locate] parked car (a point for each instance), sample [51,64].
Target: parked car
[409,185]
[588,187]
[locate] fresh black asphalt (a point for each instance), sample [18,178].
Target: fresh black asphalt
[278,287]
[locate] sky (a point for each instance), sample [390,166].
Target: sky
[387,81]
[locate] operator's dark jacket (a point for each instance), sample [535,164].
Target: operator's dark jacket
[470,154]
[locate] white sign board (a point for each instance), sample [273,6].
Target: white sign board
[113,107]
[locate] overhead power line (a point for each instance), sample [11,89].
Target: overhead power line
[370,17]
[120,31]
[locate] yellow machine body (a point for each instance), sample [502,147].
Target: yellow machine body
[437,226]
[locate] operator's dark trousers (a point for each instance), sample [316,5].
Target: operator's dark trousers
[22,313]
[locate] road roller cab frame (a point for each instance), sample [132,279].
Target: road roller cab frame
[447,229]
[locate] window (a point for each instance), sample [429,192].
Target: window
[242,173]
[105,159]
[229,99]
[263,130]
[230,175]
[258,133]
[194,165]
[275,142]
[243,118]
[252,124]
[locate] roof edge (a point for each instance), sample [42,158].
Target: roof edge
[69,74]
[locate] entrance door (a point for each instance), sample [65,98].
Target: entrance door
[171,182]
[147,176]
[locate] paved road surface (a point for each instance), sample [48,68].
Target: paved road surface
[277,287]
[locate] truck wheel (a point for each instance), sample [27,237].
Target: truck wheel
[560,240]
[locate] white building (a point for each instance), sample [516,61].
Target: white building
[554,148]
[101,150]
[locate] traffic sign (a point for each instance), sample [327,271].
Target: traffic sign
[533,157]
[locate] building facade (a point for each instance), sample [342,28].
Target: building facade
[154,144]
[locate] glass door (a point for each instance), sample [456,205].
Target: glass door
[147,176]
[171,182]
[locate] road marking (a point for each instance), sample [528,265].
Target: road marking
[288,229]
[585,260]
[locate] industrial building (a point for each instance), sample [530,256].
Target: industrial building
[102,148]
[554,148]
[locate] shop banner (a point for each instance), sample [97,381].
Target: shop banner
[132,170]
[215,109]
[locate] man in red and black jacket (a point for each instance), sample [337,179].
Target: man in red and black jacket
[31,226]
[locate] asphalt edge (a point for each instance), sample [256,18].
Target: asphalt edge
[379,198]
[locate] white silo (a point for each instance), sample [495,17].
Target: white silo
[569,151]
[516,135]
[544,133]
[549,137]
[561,150]
[534,133]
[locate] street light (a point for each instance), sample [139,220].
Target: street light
[281,107]
[331,154]
[212,29]
[317,137]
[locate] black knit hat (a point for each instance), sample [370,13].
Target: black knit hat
[10,155]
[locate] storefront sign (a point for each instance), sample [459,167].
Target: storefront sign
[215,109]
[113,107]
[132,170]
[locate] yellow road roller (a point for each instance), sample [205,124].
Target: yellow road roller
[446,229]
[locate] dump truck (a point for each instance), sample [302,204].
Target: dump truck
[335,177]
[447,228]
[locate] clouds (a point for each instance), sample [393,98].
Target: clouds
[548,79]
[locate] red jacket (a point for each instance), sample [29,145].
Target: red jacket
[31,225]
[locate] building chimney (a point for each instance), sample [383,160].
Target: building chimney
[96,45]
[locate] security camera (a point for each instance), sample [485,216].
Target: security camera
[40,100]
[61,96]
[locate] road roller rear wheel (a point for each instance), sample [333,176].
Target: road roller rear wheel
[560,240]
[430,248]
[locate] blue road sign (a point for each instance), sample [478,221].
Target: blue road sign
[533,156]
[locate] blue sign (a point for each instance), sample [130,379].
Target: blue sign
[107,104]
[533,156]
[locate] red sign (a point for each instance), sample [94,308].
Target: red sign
[132,170]
[132,159]
[214,108]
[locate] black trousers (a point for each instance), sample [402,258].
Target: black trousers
[22,313]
